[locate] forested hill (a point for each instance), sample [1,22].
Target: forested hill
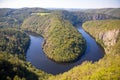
[14,41]
[106,33]
[15,17]
[109,11]
[63,43]
[56,27]
[23,11]
[79,17]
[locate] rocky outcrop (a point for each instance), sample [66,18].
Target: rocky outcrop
[109,38]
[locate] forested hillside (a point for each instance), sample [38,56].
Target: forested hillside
[13,41]
[79,17]
[63,43]
[13,46]
[108,67]
[15,17]
[13,68]
[36,23]
[109,11]
[106,33]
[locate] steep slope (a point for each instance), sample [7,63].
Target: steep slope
[63,43]
[36,23]
[13,68]
[13,45]
[13,41]
[106,32]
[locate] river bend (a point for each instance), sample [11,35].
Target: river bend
[36,56]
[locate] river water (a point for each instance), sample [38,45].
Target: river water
[36,56]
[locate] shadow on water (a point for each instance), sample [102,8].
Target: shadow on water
[36,56]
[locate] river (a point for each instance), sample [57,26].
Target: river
[36,56]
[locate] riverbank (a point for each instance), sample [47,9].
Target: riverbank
[36,55]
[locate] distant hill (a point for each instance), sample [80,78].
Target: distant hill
[15,17]
[109,11]
[79,17]
[11,12]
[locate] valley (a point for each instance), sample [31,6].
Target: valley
[69,45]
[36,55]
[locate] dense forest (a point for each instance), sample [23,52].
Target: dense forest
[62,42]
[13,46]
[13,68]
[13,41]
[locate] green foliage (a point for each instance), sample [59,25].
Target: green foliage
[105,69]
[13,41]
[36,23]
[101,25]
[97,27]
[64,43]
[12,68]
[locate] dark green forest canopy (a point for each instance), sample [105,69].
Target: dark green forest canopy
[13,68]
[64,43]
[13,41]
